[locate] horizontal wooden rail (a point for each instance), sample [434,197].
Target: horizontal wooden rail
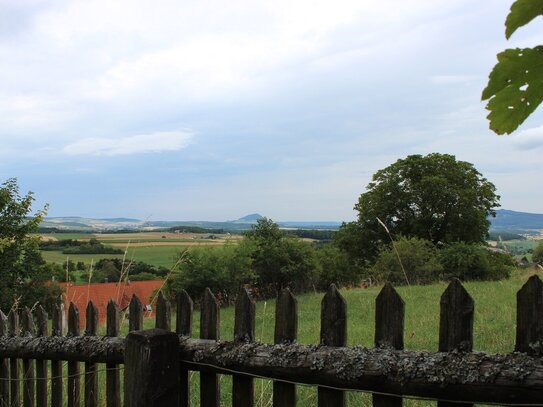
[90,349]
[513,379]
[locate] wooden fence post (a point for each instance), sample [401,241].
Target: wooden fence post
[41,365]
[29,329]
[4,365]
[74,389]
[286,331]
[151,369]
[135,314]
[113,378]
[244,331]
[389,326]
[209,329]
[183,326]
[14,399]
[56,366]
[163,318]
[333,333]
[529,338]
[456,324]
[91,369]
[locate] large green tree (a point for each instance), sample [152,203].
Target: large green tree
[432,197]
[23,272]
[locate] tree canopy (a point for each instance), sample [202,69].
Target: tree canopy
[515,85]
[432,197]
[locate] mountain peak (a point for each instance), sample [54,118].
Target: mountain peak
[253,217]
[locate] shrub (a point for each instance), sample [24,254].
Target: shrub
[418,257]
[336,268]
[537,254]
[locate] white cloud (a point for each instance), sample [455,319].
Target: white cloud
[528,139]
[139,144]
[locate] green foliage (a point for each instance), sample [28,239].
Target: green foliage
[418,258]
[23,272]
[474,262]
[515,86]
[143,277]
[432,197]
[537,254]
[336,268]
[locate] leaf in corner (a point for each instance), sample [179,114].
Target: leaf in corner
[515,88]
[522,12]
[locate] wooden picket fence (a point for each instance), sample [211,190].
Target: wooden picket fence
[157,362]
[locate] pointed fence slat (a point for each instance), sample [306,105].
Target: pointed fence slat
[529,335]
[91,369]
[286,331]
[244,331]
[456,324]
[333,333]
[113,380]
[389,330]
[56,366]
[41,365]
[163,313]
[28,329]
[74,370]
[209,329]
[183,326]
[14,399]
[4,365]
[135,317]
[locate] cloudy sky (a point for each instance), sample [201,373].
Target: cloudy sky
[203,109]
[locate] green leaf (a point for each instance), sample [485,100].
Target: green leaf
[522,12]
[515,88]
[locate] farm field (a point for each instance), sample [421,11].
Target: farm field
[494,327]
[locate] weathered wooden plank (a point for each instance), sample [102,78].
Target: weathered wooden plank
[183,326]
[28,330]
[91,368]
[286,331]
[135,314]
[56,366]
[4,364]
[389,330]
[244,331]
[14,330]
[113,379]
[457,376]
[333,333]
[209,329]
[529,335]
[163,313]
[42,329]
[150,376]
[456,324]
[74,370]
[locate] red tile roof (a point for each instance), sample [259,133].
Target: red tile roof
[100,294]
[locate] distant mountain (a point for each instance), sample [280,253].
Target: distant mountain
[516,221]
[252,218]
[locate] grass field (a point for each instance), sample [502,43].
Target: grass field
[494,328]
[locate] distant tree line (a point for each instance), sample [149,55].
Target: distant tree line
[73,246]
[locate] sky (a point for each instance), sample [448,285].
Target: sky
[210,110]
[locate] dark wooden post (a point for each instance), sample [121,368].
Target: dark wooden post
[244,331]
[4,365]
[389,327]
[333,333]
[113,381]
[29,329]
[456,324]
[14,399]
[41,365]
[56,366]
[91,369]
[151,369]
[183,326]
[209,329]
[135,317]
[74,381]
[286,331]
[163,318]
[529,338]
